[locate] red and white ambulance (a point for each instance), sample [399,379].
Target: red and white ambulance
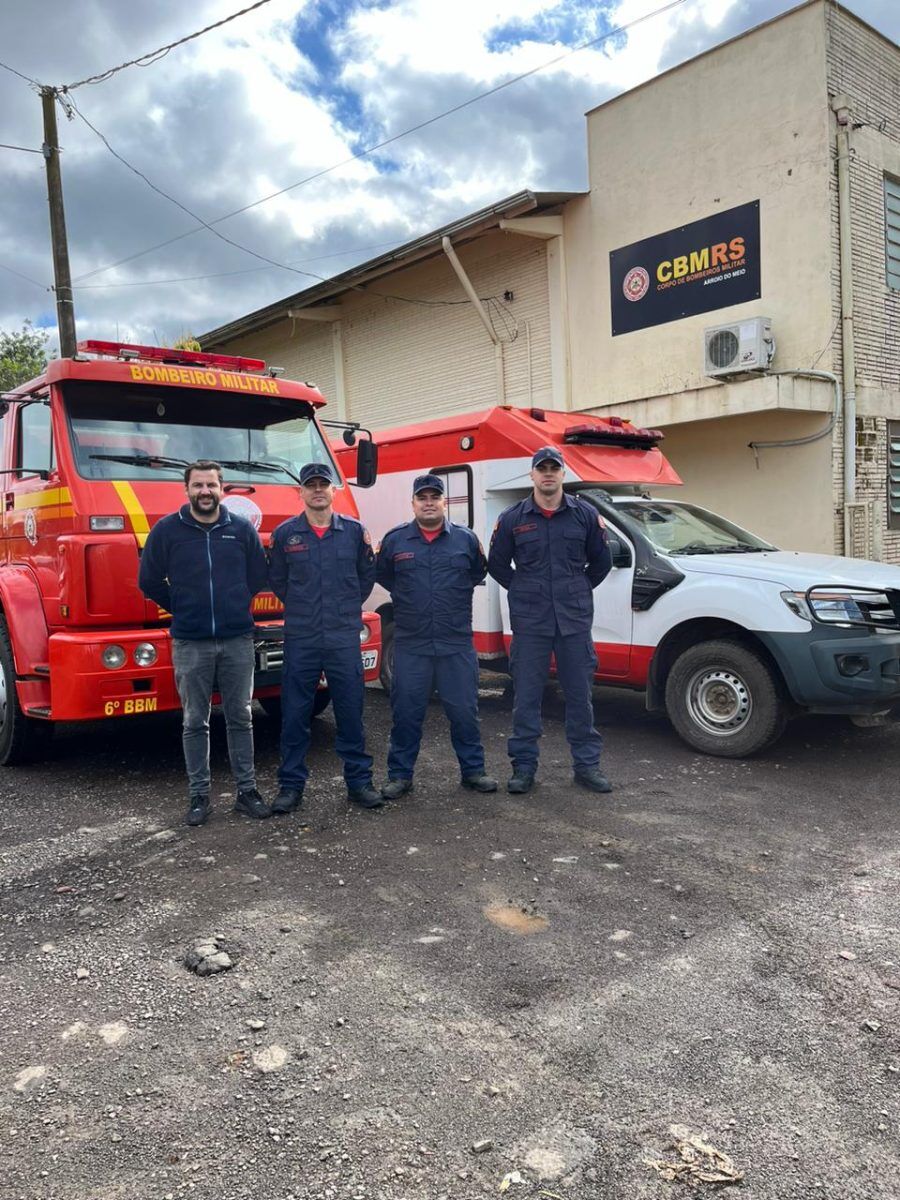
[726,633]
[92,454]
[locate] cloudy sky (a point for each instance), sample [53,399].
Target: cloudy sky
[281,95]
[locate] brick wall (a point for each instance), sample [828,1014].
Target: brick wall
[866,68]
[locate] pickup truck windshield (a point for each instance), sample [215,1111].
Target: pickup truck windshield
[153,433]
[677,529]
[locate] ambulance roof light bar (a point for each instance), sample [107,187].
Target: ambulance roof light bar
[613,431]
[192,358]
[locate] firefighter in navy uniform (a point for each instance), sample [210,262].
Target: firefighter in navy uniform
[550,551]
[322,566]
[431,568]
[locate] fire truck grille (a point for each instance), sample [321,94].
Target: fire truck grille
[269,656]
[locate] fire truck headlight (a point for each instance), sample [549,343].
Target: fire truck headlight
[145,654]
[113,657]
[365,634]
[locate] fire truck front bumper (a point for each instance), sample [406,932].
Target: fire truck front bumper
[97,674]
[122,674]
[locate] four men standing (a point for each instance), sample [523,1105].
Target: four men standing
[205,564]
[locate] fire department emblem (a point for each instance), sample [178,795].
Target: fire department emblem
[636,284]
[31,533]
[241,506]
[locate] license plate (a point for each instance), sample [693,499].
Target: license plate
[370,660]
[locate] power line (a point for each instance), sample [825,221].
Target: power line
[94,287]
[387,141]
[42,286]
[154,56]
[69,102]
[13,71]
[26,149]
[166,196]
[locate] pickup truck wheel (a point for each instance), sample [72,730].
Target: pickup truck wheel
[386,672]
[22,738]
[271,705]
[724,699]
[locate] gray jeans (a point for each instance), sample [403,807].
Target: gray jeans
[200,666]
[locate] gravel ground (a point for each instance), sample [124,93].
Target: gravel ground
[560,976]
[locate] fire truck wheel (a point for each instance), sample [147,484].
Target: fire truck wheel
[386,673]
[22,739]
[724,699]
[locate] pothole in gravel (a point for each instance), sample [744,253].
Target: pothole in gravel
[507,916]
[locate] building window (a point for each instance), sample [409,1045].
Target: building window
[458,489]
[892,232]
[893,479]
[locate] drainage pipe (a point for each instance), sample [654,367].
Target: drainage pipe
[463,278]
[841,107]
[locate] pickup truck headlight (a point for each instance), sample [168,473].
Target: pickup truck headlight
[364,634]
[839,608]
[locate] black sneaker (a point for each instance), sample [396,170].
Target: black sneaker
[287,801]
[395,788]
[520,783]
[251,804]
[479,783]
[593,779]
[365,797]
[198,812]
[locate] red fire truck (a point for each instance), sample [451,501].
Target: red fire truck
[93,453]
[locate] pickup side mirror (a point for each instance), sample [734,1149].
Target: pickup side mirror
[366,463]
[621,553]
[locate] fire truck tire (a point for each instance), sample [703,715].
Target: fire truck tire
[22,738]
[271,705]
[724,699]
[386,673]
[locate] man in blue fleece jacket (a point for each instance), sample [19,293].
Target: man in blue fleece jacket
[204,564]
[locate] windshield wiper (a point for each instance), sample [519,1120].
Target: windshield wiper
[716,548]
[273,468]
[144,460]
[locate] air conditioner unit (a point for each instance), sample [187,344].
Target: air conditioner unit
[740,347]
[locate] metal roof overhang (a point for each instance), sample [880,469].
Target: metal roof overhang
[466,229]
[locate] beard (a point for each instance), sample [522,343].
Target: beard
[204,506]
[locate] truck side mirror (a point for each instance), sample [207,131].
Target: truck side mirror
[621,554]
[366,463]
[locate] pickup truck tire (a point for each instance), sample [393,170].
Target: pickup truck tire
[271,705]
[724,699]
[22,739]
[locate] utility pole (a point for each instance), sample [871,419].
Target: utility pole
[65,304]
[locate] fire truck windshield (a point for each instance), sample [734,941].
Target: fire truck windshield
[153,433]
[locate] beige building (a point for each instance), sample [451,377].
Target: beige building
[759,180]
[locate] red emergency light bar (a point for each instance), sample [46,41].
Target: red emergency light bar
[224,362]
[615,431]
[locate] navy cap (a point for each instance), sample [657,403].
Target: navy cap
[421,482]
[317,470]
[547,454]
